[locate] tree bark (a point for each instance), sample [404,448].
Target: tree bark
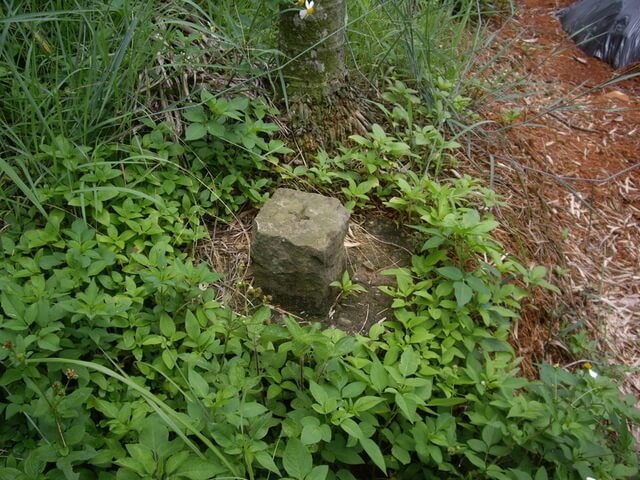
[313,46]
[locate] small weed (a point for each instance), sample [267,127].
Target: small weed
[347,287]
[511,116]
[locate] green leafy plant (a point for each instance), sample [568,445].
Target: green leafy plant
[347,287]
[134,338]
[230,139]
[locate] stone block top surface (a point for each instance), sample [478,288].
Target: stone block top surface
[306,220]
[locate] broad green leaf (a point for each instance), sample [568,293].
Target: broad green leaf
[195,131]
[326,432]
[239,104]
[451,273]
[463,293]
[49,261]
[622,471]
[75,400]
[143,455]
[33,465]
[406,406]
[470,218]
[365,403]
[476,460]
[191,325]
[195,114]
[198,384]
[319,394]
[505,312]
[273,391]
[408,362]
[311,434]
[154,434]
[345,475]
[354,389]
[401,454]
[421,335]
[359,139]
[169,357]
[297,460]
[176,460]
[318,473]
[252,409]
[216,129]
[537,272]
[49,342]
[541,474]
[13,306]
[435,453]
[444,289]
[249,141]
[433,242]
[265,460]
[446,402]
[377,132]
[375,331]
[200,469]
[352,428]
[378,376]
[479,286]
[484,226]
[153,340]
[374,453]
[345,345]
[477,445]
[167,327]
[495,345]
[132,464]
[110,410]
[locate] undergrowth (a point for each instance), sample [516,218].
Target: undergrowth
[119,359]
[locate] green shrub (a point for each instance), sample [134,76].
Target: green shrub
[230,141]
[120,362]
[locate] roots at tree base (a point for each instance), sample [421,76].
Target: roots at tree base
[328,122]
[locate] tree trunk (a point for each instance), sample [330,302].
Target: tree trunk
[324,109]
[314,50]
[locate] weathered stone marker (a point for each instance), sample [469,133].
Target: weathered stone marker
[298,249]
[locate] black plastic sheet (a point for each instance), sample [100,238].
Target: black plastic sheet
[605,29]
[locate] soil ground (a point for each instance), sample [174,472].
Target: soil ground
[565,156]
[374,244]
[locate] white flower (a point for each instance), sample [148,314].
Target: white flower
[589,368]
[591,478]
[307,10]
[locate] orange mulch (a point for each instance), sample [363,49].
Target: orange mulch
[565,153]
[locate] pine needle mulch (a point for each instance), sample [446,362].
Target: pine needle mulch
[564,151]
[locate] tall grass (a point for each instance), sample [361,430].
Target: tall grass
[83,70]
[73,70]
[67,69]
[419,41]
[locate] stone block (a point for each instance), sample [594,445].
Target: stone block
[297,249]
